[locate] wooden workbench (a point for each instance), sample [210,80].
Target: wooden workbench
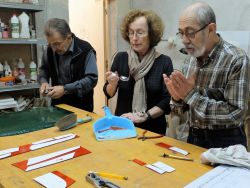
[108,156]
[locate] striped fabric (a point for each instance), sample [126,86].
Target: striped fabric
[220,97]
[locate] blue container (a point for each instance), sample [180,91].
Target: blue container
[113,127]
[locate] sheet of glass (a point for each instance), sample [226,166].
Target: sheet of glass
[30,120]
[223,177]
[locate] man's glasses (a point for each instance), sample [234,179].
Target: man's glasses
[138,34]
[190,33]
[57,44]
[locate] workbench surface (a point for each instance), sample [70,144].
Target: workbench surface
[106,156]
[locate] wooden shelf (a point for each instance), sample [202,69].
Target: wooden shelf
[19,87]
[23,41]
[22,6]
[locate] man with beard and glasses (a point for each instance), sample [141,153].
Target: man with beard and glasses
[214,83]
[70,64]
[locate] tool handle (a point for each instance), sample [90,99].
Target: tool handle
[108,175]
[99,182]
[84,120]
[181,158]
[107,112]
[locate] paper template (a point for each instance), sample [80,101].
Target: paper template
[36,145]
[160,167]
[54,179]
[173,148]
[52,158]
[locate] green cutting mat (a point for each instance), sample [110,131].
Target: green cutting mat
[30,120]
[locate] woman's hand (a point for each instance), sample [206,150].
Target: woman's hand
[137,117]
[112,78]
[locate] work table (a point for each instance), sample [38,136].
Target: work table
[107,156]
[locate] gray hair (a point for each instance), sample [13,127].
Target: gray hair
[205,14]
[58,25]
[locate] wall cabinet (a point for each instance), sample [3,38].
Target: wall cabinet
[27,49]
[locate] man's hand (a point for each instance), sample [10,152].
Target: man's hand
[170,87]
[56,92]
[136,117]
[43,88]
[179,86]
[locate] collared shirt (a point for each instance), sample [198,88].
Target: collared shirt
[219,100]
[63,63]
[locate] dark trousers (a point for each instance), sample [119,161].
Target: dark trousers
[85,103]
[217,138]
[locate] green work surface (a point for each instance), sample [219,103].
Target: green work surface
[30,120]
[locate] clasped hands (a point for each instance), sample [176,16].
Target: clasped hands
[136,117]
[178,85]
[54,92]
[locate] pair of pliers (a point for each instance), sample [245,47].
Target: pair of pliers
[99,182]
[143,137]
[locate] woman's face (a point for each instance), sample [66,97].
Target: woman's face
[138,36]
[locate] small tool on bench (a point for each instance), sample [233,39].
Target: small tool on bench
[70,121]
[99,182]
[109,175]
[176,157]
[143,137]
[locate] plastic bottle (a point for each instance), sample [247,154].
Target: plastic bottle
[24,23]
[1,29]
[5,32]
[14,68]
[1,70]
[33,73]
[15,26]
[21,70]
[7,69]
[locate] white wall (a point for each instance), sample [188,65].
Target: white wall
[86,21]
[58,9]
[231,15]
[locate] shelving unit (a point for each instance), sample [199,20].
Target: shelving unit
[22,6]
[20,87]
[23,41]
[28,49]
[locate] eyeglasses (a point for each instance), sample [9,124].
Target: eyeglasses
[190,33]
[57,44]
[138,34]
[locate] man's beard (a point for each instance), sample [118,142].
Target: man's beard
[199,52]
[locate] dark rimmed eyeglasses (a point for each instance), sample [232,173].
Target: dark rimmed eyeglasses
[189,33]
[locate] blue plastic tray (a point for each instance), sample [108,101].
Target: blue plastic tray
[101,127]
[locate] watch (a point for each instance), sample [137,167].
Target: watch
[65,91]
[149,115]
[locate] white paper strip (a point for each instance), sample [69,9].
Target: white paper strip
[10,150]
[178,150]
[54,141]
[51,180]
[52,161]
[158,170]
[51,155]
[163,166]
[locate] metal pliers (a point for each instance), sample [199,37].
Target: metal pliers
[99,182]
[143,137]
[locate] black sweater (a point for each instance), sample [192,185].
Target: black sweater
[157,94]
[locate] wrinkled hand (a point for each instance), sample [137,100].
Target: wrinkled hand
[178,85]
[171,90]
[44,87]
[112,78]
[56,92]
[137,117]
